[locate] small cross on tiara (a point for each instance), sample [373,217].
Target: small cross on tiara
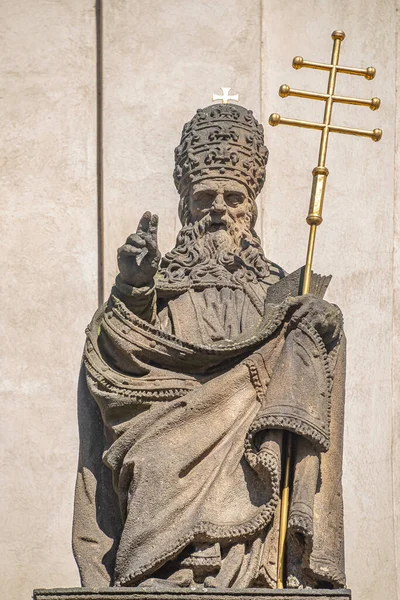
[225,96]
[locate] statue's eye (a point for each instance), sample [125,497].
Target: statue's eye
[204,197]
[233,199]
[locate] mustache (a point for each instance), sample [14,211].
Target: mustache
[213,246]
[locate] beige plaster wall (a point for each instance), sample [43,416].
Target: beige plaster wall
[396,322]
[161,61]
[48,278]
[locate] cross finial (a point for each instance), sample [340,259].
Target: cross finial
[225,96]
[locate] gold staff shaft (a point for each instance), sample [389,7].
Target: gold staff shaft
[283,520]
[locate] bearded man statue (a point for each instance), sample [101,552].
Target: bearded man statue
[192,372]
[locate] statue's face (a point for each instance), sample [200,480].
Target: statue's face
[217,241]
[225,201]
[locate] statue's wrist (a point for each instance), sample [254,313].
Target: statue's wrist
[133,289]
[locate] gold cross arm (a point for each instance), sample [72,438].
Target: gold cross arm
[299,63]
[375,134]
[225,96]
[285,91]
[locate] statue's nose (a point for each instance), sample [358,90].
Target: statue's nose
[219,204]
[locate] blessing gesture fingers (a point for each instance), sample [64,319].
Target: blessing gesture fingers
[139,257]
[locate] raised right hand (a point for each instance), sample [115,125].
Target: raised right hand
[139,257]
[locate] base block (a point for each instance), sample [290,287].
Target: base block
[125,593]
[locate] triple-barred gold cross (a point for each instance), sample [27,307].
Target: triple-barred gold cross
[314,217]
[320,172]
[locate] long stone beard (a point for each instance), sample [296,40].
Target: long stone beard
[205,253]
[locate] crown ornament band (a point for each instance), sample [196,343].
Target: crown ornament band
[314,217]
[224,141]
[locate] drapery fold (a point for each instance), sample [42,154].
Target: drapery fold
[191,434]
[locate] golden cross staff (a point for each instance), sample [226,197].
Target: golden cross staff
[314,218]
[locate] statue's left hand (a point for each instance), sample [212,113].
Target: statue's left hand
[325,317]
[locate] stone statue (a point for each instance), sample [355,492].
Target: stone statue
[192,371]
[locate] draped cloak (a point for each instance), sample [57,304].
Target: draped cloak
[181,418]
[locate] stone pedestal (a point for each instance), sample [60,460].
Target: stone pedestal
[188,594]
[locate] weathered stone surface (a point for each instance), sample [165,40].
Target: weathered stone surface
[195,373]
[185,594]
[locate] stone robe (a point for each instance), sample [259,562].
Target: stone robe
[181,413]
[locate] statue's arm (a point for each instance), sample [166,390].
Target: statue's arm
[138,261]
